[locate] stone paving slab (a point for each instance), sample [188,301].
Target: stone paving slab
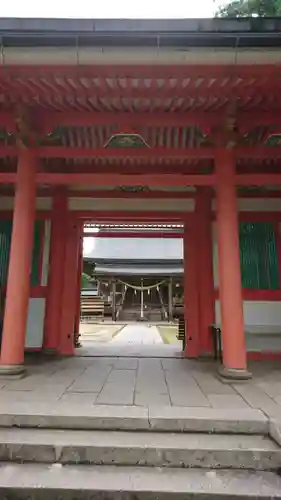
[138,334]
[133,381]
[227,401]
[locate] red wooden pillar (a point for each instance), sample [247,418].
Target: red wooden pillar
[78,291]
[18,285]
[230,289]
[69,295]
[56,270]
[205,268]
[191,297]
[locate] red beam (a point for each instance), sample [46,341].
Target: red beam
[150,153]
[154,180]
[169,89]
[8,177]
[106,194]
[7,119]
[129,119]
[151,194]
[51,119]
[141,70]
[258,152]
[244,120]
[167,180]
[251,152]
[258,180]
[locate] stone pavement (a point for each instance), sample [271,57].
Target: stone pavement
[125,350]
[143,382]
[138,334]
[96,333]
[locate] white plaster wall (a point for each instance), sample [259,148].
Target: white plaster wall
[262,318]
[35,322]
[7,203]
[256,205]
[127,204]
[134,55]
[262,321]
[36,309]
[259,204]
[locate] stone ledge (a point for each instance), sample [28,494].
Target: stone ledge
[176,419]
[140,448]
[243,421]
[275,430]
[51,482]
[67,416]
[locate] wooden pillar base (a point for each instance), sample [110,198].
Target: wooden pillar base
[231,374]
[12,371]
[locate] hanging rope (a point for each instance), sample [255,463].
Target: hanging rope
[142,288]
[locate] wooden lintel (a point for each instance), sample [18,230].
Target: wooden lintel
[156,180]
[51,119]
[156,154]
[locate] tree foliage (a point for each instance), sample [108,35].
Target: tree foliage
[85,280]
[248,8]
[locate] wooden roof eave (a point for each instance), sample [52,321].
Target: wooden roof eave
[169,32]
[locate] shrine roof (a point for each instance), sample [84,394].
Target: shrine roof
[173,83]
[149,32]
[123,270]
[135,249]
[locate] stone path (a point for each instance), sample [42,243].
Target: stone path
[138,334]
[143,382]
[97,333]
[111,349]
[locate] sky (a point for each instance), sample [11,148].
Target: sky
[95,9]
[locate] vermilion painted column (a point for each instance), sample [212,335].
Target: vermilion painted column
[18,284]
[205,268]
[231,304]
[191,297]
[56,271]
[69,295]
[78,291]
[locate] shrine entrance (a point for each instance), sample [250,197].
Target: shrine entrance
[132,283]
[127,123]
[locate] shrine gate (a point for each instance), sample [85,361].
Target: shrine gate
[138,121]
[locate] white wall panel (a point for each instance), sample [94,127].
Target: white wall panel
[7,203]
[256,205]
[127,204]
[35,323]
[262,325]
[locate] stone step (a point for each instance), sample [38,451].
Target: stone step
[140,448]
[56,482]
[165,419]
